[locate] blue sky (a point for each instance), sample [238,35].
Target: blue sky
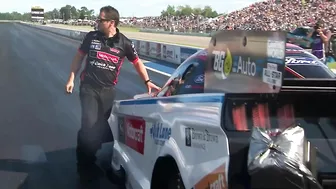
[125,7]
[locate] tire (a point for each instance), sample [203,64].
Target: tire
[175,181]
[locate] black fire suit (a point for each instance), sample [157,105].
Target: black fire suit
[105,57]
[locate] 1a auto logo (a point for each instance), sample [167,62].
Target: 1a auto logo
[246,67]
[222,64]
[107,57]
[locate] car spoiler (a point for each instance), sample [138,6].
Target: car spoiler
[309,85]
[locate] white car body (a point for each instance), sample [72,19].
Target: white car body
[187,127]
[175,114]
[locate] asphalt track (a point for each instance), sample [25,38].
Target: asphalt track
[38,121]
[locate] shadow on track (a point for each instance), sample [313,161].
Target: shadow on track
[46,175]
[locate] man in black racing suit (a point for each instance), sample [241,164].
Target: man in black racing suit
[105,50]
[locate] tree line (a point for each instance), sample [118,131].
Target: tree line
[71,12]
[65,13]
[187,10]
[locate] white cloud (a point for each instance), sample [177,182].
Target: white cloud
[126,7]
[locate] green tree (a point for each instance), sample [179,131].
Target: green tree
[187,10]
[197,11]
[208,12]
[74,13]
[83,12]
[65,13]
[56,14]
[169,11]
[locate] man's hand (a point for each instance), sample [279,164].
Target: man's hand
[151,86]
[69,87]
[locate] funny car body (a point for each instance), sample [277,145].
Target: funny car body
[179,140]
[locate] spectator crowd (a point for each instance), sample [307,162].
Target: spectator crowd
[266,15]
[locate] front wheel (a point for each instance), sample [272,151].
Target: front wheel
[175,181]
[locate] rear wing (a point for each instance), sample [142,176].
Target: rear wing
[309,85]
[241,62]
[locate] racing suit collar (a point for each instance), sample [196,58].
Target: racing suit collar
[115,37]
[110,40]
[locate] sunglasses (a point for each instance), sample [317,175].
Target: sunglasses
[100,20]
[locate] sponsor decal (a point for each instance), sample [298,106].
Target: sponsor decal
[198,139]
[114,50]
[214,180]
[301,60]
[186,53]
[107,57]
[276,50]
[159,133]
[246,67]
[135,52]
[135,134]
[95,46]
[199,79]
[168,52]
[102,65]
[222,65]
[271,75]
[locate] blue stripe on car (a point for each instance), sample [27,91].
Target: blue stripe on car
[177,99]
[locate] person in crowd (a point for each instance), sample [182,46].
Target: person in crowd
[320,41]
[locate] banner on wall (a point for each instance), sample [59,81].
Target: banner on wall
[155,50]
[147,48]
[143,46]
[186,53]
[137,45]
[170,53]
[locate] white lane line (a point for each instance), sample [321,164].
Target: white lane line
[157,71]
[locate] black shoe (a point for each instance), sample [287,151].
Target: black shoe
[88,184]
[89,172]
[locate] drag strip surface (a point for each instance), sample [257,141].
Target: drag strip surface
[38,121]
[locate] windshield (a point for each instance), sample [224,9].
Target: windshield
[313,71]
[308,70]
[300,31]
